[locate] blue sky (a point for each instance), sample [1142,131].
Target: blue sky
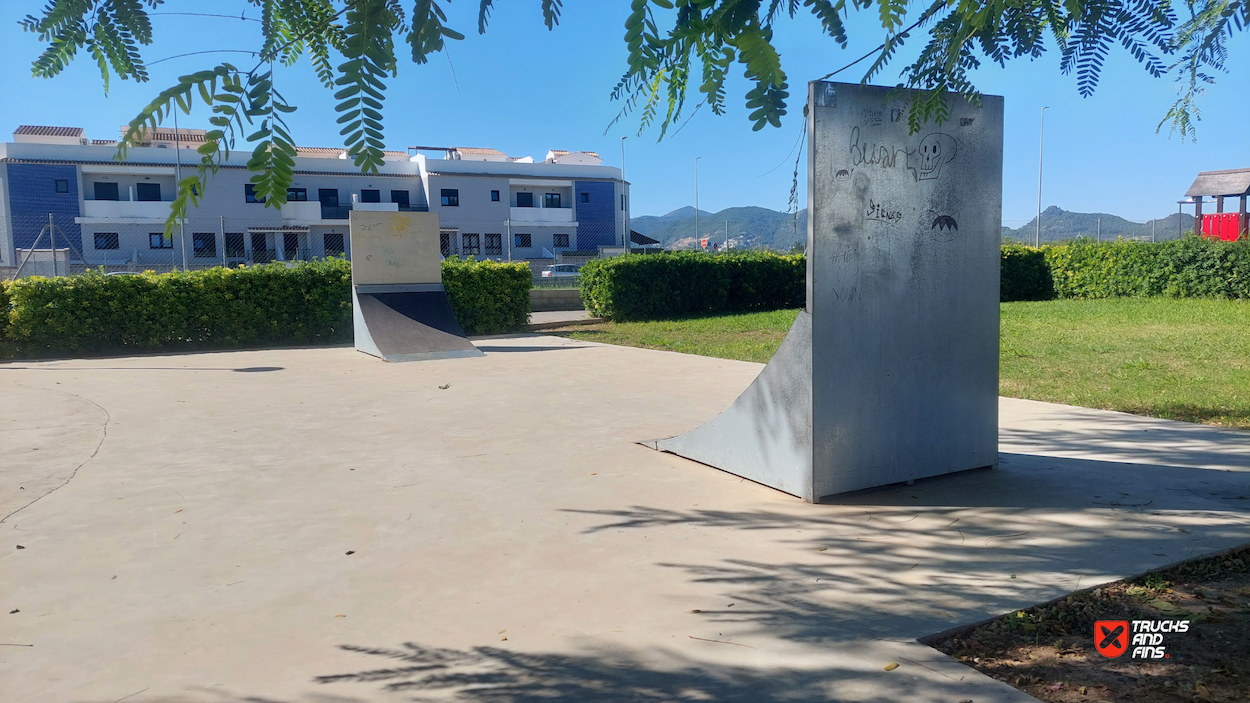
[524,90]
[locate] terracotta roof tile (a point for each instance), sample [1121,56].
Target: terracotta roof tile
[479,150]
[45,131]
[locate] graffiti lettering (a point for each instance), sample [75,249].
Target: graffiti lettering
[873,154]
[882,213]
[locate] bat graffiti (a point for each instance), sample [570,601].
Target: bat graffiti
[944,222]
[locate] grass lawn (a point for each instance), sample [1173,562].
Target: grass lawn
[1179,359]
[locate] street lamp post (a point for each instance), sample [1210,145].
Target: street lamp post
[182,230]
[696,199]
[624,202]
[1041,141]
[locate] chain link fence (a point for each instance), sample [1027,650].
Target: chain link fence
[128,246]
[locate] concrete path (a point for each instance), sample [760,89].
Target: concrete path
[317,526]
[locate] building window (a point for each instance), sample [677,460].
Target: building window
[106,191]
[297,195]
[451,197]
[400,198]
[551,200]
[522,241]
[525,200]
[148,192]
[249,194]
[585,197]
[494,196]
[234,245]
[370,196]
[560,240]
[334,244]
[494,244]
[62,185]
[106,240]
[204,244]
[158,240]
[444,243]
[471,244]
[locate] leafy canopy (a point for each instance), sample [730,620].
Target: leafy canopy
[674,45]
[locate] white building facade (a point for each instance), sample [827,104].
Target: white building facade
[113,213]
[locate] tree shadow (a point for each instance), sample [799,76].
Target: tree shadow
[907,561]
[496,675]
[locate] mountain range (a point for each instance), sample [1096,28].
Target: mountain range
[762,228]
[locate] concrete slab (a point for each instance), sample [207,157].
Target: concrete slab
[319,526]
[560,318]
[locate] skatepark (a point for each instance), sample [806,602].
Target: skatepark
[318,525]
[489,519]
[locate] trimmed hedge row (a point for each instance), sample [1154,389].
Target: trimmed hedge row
[689,283]
[693,283]
[1193,267]
[224,308]
[488,297]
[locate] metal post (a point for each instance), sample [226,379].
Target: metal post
[1180,215]
[624,202]
[508,226]
[1098,236]
[696,200]
[1152,229]
[222,228]
[29,252]
[52,238]
[182,231]
[1041,143]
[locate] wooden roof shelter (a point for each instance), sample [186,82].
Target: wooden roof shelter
[1221,184]
[1232,183]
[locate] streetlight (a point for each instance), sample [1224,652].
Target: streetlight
[624,203]
[1041,141]
[696,199]
[182,228]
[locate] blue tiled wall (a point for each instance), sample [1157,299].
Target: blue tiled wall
[597,219]
[32,195]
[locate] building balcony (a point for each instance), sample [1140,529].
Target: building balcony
[123,212]
[544,215]
[315,213]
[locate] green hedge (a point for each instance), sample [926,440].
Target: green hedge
[225,308]
[488,297]
[689,283]
[1193,267]
[694,283]
[1024,274]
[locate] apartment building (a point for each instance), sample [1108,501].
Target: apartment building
[113,212]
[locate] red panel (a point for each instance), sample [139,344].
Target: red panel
[1224,226]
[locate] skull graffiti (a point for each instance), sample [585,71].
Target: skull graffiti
[935,149]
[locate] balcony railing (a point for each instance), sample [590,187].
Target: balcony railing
[126,209]
[542,214]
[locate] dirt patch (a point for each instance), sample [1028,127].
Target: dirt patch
[1048,651]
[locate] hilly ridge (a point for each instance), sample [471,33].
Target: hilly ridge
[762,228]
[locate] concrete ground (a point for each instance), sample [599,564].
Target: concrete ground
[317,526]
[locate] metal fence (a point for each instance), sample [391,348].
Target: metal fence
[199,243]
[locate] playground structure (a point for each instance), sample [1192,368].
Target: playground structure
[1218,185]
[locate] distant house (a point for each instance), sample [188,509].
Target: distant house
[1218,185]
